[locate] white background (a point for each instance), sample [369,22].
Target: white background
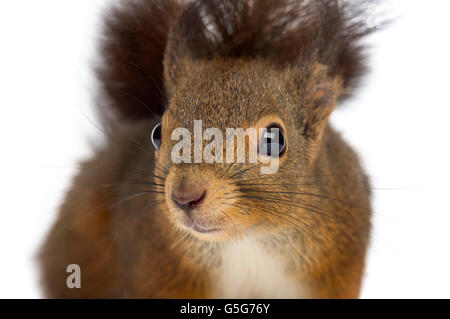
[399,123]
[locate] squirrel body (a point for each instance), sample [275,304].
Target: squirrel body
[135,222]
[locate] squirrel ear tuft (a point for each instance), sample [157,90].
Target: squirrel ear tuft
[284,32]
[141,61]
[324,93]
[132,49]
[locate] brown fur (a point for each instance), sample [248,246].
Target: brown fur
[119,222]
[131,74]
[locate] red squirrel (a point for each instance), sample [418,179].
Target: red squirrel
[141,225]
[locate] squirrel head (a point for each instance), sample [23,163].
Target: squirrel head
[218,198]
[238,64]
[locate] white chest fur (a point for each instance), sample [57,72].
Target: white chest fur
[249,271]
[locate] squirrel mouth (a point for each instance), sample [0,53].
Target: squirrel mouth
[198,227]
[204,230]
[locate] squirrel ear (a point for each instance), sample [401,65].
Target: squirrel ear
[180,51]
[130,74]
[325,93]
[175,61]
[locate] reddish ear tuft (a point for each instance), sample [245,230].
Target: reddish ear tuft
[284,32]
[131,73]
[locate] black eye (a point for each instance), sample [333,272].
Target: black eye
[272,141]
[156,136]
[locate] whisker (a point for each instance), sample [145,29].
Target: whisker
[292,203]
[135,142]
[134,183]
[119,168]
[322,196]
[286,217]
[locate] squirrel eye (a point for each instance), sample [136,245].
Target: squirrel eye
[272,142]
[156,136]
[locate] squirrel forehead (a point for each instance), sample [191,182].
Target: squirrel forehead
[229,93]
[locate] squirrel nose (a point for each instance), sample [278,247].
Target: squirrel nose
[187,199]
